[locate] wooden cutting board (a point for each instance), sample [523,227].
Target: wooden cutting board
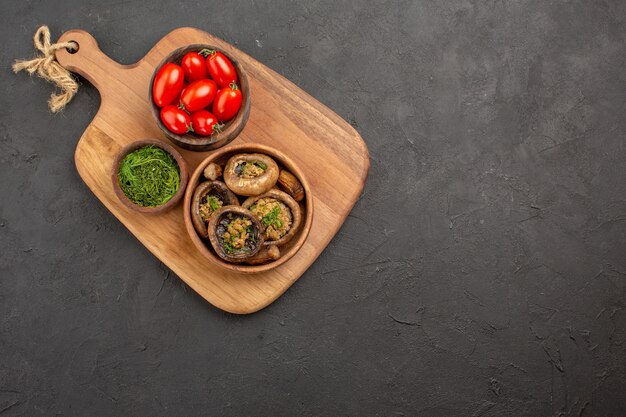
[328,150]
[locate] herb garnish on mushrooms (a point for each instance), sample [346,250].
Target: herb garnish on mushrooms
[279,214]
[250,170]
[271,218]
[235,234]
[250,174]
[208,206]
[274,215]
[209,197]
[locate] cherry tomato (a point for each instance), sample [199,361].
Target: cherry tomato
[204,123]
[227,103]
[176,120]
[198,95]
[194,67]
[220,68]
[168,83]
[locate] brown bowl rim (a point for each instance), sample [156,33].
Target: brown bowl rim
[283,160]
[233,128]
[182,165]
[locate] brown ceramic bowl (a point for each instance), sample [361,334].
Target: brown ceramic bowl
[232,128]
[184,175]
[290,248]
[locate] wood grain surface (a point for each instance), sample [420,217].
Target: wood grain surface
[328,150]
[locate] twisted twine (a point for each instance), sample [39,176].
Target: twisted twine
[48,68]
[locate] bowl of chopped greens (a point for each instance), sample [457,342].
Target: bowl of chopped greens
[149,176]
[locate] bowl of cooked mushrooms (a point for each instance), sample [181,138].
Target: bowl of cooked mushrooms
[248,208]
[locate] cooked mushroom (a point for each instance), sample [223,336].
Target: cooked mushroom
[212,172]
[290,184]
[209,197]
[235,234]
[266,254]
[279,214]
[250,174]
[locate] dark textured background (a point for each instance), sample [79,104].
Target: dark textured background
[481,274]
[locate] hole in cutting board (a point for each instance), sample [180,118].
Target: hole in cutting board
[73,50]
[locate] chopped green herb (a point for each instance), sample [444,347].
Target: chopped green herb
[271,218]
[149,176]
[229,248]
[213,203]
[250,169]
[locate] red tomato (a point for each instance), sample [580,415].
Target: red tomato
[168,84]
[198,95]
[227,103]
[176,120]
[220,68]
[194,67]
[204,123]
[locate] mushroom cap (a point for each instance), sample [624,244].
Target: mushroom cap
[250,186]
[217,241]
[296,213]
[288,183]
[227,197]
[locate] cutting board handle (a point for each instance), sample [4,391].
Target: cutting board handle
[89,61]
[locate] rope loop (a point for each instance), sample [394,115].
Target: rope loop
[47,67]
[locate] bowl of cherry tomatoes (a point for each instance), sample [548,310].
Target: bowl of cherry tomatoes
[200,97]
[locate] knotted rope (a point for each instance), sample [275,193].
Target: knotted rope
[48,68]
